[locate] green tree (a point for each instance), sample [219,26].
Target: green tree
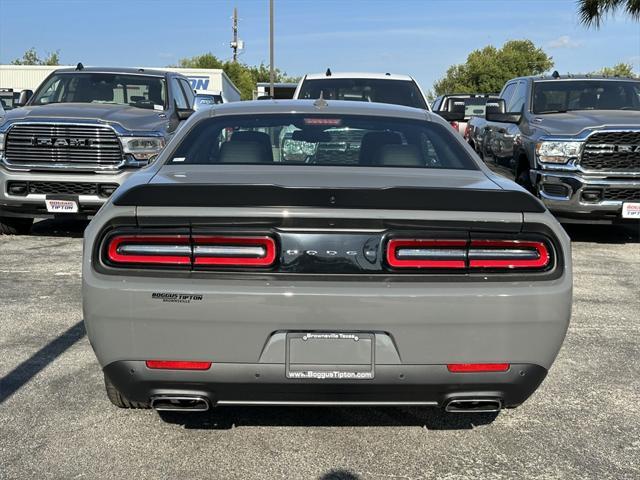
[618,70]
[593,12]
[243,76]
[487,70]
[30,57]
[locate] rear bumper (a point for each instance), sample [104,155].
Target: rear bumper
[602,205]
[266,384]
[33,204]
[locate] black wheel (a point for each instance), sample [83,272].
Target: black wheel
[524,180]
[118,399]
[15,226]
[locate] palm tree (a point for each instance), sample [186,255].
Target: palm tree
[592,12]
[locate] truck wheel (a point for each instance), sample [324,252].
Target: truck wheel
[15,226]
[118,399]
[524,180]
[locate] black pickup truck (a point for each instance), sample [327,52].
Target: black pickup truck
[572,141]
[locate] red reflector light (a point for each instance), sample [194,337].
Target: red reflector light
[455,125]
[150,249]
[510,254]
[415,253]
[177,365]
[234,251]
[477,367]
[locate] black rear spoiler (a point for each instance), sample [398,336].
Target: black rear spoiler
[390,198]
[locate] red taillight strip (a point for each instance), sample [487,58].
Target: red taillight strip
[502,247]
[477,367]
[433,245]
[244,253]
[115,255]
[177,365]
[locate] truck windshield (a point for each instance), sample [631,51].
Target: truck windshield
[564,95]
[103,88]
[308,140]
[397,92]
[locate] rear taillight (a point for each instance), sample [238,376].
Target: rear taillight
[184,250]
[477,367]
[150,249]
[455,125]
[416,253]
[509,254]
[467,254]
[234,251]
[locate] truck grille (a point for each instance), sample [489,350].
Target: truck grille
[624,194]
[612,152]
[49,146]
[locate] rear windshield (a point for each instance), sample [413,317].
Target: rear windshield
[320,140]
[473,106]
[566,95]
[397,92]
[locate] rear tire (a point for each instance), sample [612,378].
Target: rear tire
[15,226]
[120,400]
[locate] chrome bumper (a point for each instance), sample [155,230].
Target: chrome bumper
[583,196]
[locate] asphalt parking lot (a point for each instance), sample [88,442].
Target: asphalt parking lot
[56,422]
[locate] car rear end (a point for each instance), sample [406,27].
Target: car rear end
[245,284]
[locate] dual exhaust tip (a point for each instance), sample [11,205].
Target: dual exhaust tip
[197,403]
[473,405]
[180,403]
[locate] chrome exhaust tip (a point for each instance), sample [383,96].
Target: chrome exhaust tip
[179,403]
[473,405]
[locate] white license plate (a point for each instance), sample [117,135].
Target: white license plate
[61,206]
[631,210]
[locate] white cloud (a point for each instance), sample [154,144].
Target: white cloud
[564,41]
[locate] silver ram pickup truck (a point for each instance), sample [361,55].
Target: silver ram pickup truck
[82,133]
[227,274]
[572,141]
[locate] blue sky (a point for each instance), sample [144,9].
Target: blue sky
[421,38]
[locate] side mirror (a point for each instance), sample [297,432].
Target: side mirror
[495,112]
[25,96]
[454,110]
[184,113]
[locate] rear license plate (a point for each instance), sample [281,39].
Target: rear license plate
[330,355]
[631,210]
[55,205]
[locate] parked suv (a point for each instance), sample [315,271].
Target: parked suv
[574,142]
[363,87]
[80,135]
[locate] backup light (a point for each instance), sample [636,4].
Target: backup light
[433,253]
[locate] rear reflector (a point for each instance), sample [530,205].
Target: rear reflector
[234,251]
[509,254]
[416,253]
[150,249]
[477,367]
[177,365]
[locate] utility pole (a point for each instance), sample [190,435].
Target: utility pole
[271,66]
[234,42]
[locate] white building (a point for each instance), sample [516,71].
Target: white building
[28,77]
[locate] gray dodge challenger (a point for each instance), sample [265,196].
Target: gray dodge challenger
[368,258]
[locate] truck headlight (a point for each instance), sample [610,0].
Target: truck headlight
[557,151]
[143,148]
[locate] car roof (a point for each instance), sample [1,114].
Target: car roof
[316,107]
[337,75]
[573,77]
[125,70]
